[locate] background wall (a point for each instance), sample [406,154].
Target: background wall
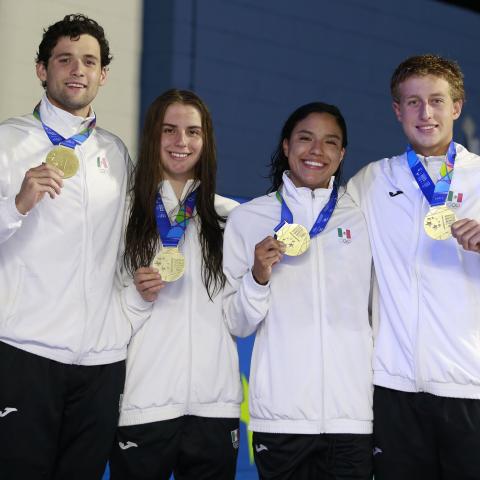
[255,62]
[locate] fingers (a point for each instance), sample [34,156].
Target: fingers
[268,253]
[38,181]
[47,176]
[148,283]
[467,234]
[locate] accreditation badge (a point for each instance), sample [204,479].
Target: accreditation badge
[438,222]
[65,159]
[295,237]
[170,263]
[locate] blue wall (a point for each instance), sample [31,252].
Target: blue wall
[254,62]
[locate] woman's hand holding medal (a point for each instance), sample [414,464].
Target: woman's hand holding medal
[148,283]
[467,233]
[267,253]
[37,182]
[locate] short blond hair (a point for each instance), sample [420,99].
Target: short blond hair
[423,65]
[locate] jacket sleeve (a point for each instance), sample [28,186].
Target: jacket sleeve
[245,302]
[10,218]
[135,310]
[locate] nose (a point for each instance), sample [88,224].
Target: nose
[76,67]
[181,138]
[425,111]
[316,147]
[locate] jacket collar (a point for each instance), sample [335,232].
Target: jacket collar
[301,194]
[170,200]
[62,121]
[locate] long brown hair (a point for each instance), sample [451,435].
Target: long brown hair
[142,239]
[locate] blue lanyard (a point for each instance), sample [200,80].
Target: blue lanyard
[57,139]
[170,234]
[320,222]
[435,193]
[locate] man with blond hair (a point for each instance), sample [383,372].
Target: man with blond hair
[423,210]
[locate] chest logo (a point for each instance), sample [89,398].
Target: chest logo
[102,164]
[344,235]
[454,199]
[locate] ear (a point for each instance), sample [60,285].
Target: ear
[103,76]
[342,154]
[397,110]
[285,147]
[41,71]
[457,109]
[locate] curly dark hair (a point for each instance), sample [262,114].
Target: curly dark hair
[279,161]
[73,26]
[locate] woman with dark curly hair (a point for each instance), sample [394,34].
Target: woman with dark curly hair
[298,267]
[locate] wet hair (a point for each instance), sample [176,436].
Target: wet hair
[72,26]
[279,161]
[423,65]
[142,239]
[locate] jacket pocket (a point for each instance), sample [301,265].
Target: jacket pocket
[14,296]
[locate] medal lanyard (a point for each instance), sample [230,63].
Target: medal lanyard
[436,194]
[57,139]
[170,234]
[320,222]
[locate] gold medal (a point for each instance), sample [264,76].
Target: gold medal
[295,237]
[170,263]
[438,222]
[65,159]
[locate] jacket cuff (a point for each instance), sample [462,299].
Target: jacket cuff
[252,287]
[134,301]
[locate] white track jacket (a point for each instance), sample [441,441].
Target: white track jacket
[182,360]
[426,308]
[311,365]
[58,262]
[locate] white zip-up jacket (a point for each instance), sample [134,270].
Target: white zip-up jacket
[58,262]
[311,365]
[426,308]
[182,360]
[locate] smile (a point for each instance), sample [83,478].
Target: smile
[311,163]
[426,128]
[75,85]
[179,155]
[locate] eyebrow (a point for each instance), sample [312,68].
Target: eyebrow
[68,54]
[173,125]
[414,95]
[329,135]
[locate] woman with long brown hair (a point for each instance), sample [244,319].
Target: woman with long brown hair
[180,408]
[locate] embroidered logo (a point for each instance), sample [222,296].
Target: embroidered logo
[102,164]
[454,200]
[344,235]
[4,413]
[394,194]
[235,434]
[377,451]
[127,445]
[259,447]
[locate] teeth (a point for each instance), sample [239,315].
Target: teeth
[79,85]
[178,155]
[426,127]
[313,164]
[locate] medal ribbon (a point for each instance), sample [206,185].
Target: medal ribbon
[435,193]
[57,139]
[320,222]
[170,234]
